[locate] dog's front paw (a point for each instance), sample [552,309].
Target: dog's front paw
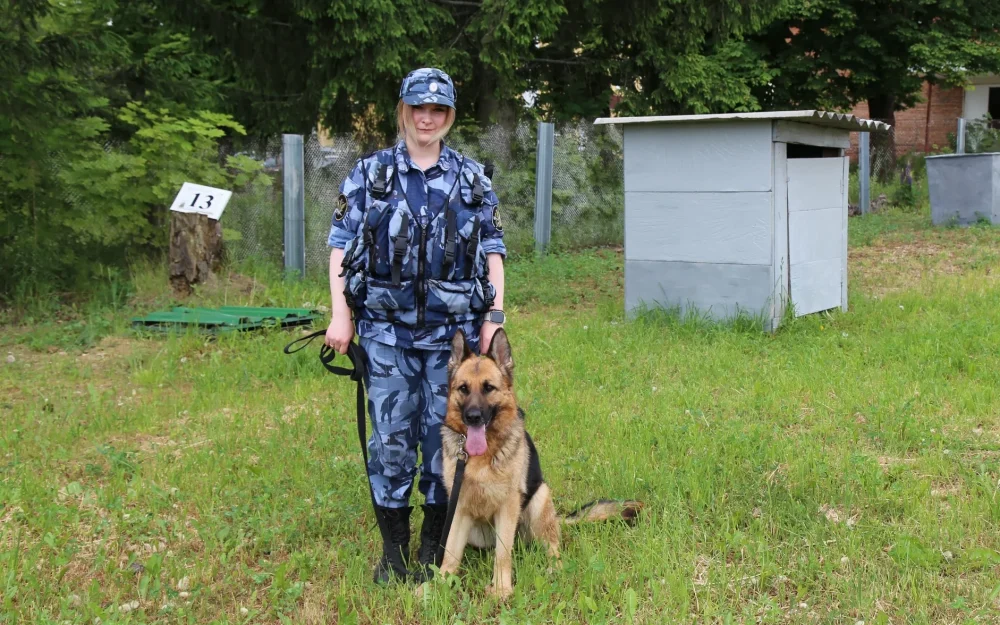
[500,591]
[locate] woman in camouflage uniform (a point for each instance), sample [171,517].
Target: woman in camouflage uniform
[417,255]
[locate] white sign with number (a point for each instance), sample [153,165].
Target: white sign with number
[196,198]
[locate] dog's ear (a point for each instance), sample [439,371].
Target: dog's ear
[459,351]
[500,353]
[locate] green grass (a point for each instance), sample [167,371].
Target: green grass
[844,469]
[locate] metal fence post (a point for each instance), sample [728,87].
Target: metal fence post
[864,172]
[543,186]
[960,139]
[294,201]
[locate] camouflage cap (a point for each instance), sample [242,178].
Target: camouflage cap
[427,85]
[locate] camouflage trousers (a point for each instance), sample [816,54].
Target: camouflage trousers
[407,398]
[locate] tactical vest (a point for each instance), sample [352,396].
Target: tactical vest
[398,271]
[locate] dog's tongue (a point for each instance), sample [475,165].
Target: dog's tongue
[475,440]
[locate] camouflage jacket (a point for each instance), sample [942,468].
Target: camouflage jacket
[415,246]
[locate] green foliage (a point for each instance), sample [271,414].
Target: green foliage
[343,62]
[102,116]
[133,186]
[52,111]
[847,51]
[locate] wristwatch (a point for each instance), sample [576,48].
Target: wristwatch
[496,316]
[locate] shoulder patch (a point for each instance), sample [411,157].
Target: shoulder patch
[497,223]
[341,211]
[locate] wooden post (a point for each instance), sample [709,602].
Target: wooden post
[195,250]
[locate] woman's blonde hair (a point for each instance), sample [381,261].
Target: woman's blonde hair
[404,122]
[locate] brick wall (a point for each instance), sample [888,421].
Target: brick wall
[912,128]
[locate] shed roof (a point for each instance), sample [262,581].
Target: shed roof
[844,121]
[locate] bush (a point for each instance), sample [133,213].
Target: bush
[99,205]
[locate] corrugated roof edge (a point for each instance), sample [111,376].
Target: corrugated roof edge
[844,121]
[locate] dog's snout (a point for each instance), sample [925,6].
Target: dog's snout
[473,416]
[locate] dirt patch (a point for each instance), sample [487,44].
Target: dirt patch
[888,462]
[836,515]
[113,348]
[945,489]
[229,283]
[145,443]
[894,266]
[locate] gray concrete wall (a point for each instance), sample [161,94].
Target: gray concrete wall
[964,188]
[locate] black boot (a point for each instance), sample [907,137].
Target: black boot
[395,544]
[430,536]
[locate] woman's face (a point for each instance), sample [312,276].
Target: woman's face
[428,119]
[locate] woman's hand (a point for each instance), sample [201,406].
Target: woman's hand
[340,333]
[341,330]
[486,335]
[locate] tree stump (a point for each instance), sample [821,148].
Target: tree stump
[195,250]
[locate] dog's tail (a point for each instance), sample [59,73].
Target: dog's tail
[605,510]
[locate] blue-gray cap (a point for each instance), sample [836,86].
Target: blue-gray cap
[427,85]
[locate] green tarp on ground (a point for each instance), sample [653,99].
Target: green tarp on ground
[224,318]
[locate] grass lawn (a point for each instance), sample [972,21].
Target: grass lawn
[845,469]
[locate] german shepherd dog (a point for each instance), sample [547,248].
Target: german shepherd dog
[503,493]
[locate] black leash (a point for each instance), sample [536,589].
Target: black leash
[452,502]
[356,354]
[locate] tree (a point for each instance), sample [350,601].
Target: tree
[834,54]
[661,57]
[86,173]
[289,65]
[52,111]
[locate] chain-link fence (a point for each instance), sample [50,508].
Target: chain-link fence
[252,225]
[981,135]
[588,193]
[883,150]
[587,196]
[327,164]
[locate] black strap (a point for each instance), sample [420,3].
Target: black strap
[356,354]
[477,190]
[450,242]
[372,248]
[399,247]
[488,169]
[379,186]
[369,234]
[452,504]
[470,249]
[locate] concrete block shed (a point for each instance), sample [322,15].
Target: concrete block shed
[737,212]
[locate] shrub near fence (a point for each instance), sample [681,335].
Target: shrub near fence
[587,197]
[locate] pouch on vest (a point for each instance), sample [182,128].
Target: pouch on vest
[456,301]
[458,253]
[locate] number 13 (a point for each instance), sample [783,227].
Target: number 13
[208,198]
